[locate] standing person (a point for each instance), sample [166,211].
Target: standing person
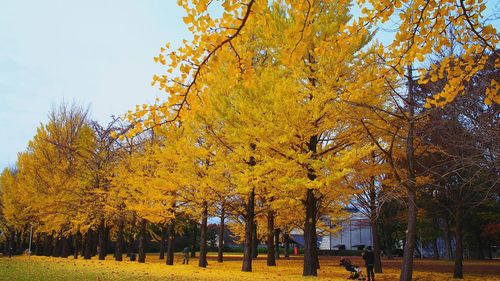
[369,258]
[185,253]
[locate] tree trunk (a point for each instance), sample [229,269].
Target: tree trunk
[163,237]
[271,261]
[255,241]
[376,247]
[458,268]
[202,262]
[170,243]
[193,243]
[277,243]
[310,243]
[21,242]
[479,253]
[18,248]
[94,243]
[6,246]
[287,245]
[411,235]
[77,241]
[88,245]
[10,244]
[311,260]
[249,229]
[220,253]
[435,249]
[142,242]
[447,239]
[57,247]
[65,241]
[374,223]
[131,246]
[388,241]
[119,240]
[102,240]
[38,245]
[48,246]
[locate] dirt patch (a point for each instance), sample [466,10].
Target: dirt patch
[484,267]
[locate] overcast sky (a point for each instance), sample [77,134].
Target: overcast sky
[97,52]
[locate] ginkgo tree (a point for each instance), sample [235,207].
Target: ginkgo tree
[284,110]
[275,115]
[420,33]
[427,27]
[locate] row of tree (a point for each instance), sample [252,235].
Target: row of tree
[279,114]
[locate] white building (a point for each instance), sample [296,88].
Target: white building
[355,233]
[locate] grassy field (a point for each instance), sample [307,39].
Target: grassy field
[44,268]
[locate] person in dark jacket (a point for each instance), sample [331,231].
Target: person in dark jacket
[369,258]
[185,253]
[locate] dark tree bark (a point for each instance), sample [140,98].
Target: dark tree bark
[57,247]
[311,260]
[374,223]
[459,251]
[6,246]
[66,246]
[119,241]
[376,248]
[193,243]
[16,244]
[102,240]
[202,262]
[220,253]
[94,243]
[170,243]
[271,261]
[479,253]
[310,239]
[87,254]
[77,242]
[255,241]
[277,243]
[435,250]
[130,246]
[249,229]
[163,237]
[447,239]
[142,242]
[411,235]
[47,245]
[38,245]
[388,241]
[22,240]
[249,222]
[287,245]
[11,243]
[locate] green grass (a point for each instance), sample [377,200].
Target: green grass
[40,268]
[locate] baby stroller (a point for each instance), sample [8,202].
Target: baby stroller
[353,269]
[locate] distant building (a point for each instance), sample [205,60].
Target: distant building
[356,233]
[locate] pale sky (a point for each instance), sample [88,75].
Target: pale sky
[97,52]
[93,52]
